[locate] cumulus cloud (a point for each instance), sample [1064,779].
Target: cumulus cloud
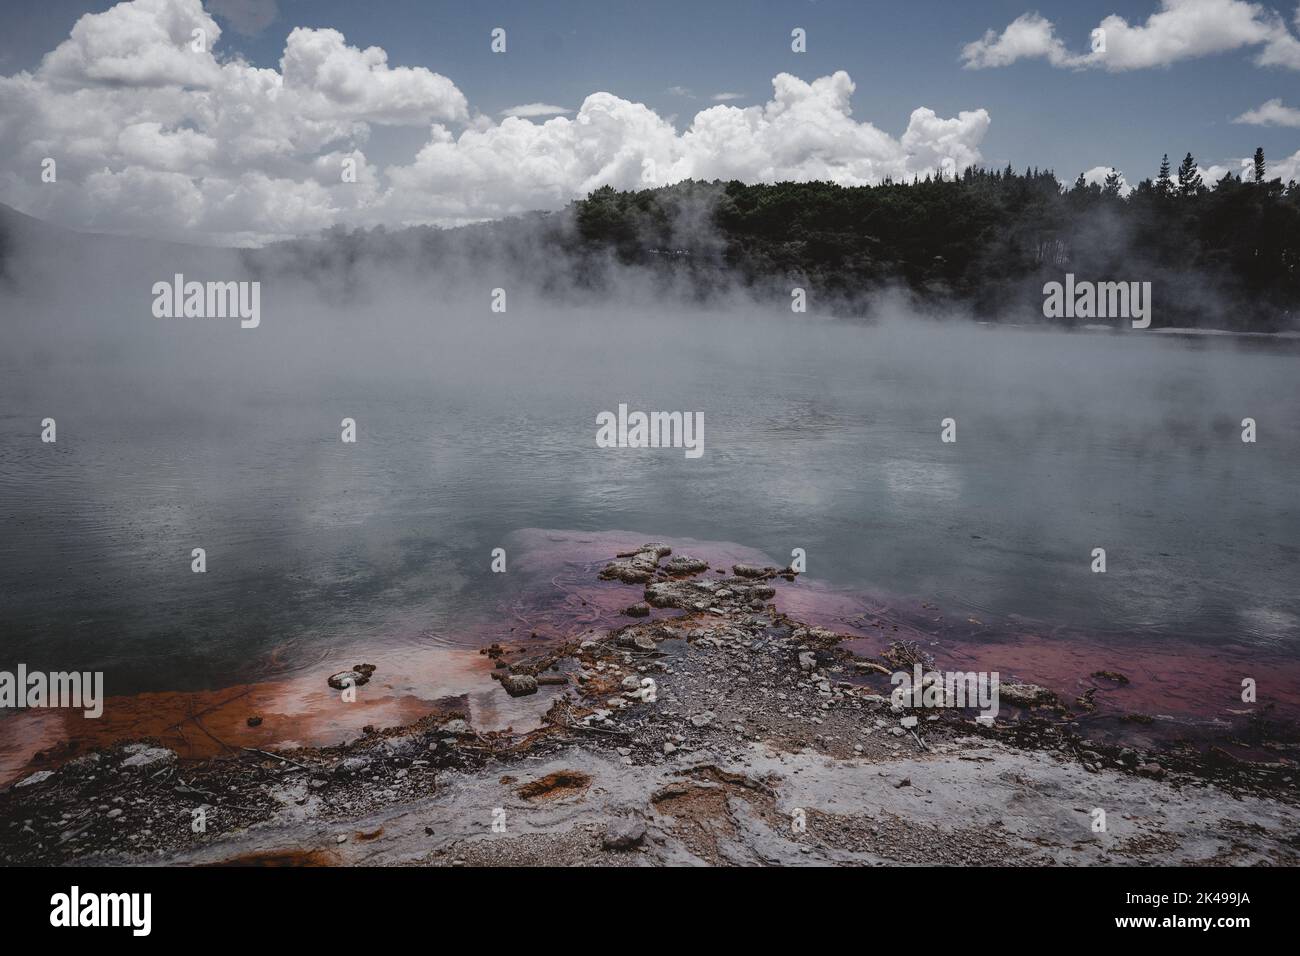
[1272,113]
[528,110]
[806,131]
[147,43]
[1179,30]
[156,134]
[1287,169]
[1029,36]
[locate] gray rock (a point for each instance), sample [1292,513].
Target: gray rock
[350,766]
[149,758]
[623,833]
[39,776]
[1025,695]
[629,571]
[519,685]
[685,564]
[354,678]
[641,641]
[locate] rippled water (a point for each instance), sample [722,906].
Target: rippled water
[818,436]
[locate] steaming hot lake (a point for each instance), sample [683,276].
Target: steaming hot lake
[818,435]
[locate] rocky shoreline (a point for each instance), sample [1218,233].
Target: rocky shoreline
[712,728]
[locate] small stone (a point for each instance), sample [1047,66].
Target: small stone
[39,776]
[351,765]
[685,564]
[519,685]
[150,758]
[354,678]
[1025,695]
[623,833]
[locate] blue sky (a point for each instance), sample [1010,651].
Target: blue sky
[900,56]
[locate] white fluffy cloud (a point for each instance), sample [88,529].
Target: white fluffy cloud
[1272,113]
[154,134]
[1029,36]
[804,132]
[1179,30]
[1286,169]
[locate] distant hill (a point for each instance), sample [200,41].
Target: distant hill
[32,249]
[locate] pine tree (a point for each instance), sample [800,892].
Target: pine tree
[1080,184]
[1259,164]
[1189,177]
[1111,188]
[1164,185]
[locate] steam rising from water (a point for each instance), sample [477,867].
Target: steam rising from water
[179,433]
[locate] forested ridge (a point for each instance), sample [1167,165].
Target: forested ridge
[1225,255]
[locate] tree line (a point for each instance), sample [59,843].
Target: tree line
[1223,255]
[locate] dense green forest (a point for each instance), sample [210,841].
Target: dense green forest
[1225,255]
